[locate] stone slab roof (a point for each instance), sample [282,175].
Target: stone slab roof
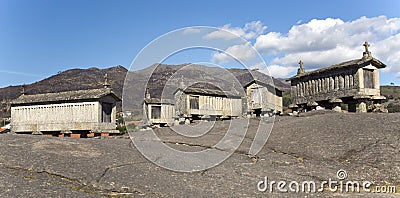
[247,77]
[197,88]
[79,95]
[244,76]
[213,92]
[353,63]
[158,101]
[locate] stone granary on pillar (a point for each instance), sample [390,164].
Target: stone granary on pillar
[208,97]
[197,102]
[354,82]
[159,111]
[72,113]
[200,101]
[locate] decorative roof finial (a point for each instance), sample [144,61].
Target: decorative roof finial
[106,84]
[301,69]
[148,93]
[233,89]
[367,53]
[23,89]
[366,45]
[182,83]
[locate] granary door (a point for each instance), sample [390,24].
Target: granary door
[106,111]
[368,78]
[155,112]
[194,102]
[256,97]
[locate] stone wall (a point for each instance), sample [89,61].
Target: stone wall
[60,117]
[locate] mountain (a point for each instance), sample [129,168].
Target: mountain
[172,76]
[73,79]
[77,79]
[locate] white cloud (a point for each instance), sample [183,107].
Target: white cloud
[318,59]
[240,52]
[250,31]
[388,51]
[320,43]
[280,71]
[315,35]
[274,70]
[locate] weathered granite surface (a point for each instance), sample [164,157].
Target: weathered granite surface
[311,147]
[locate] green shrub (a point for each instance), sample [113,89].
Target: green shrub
[122,129]
[120,119]
[286,100]
[393,107]
[344,106]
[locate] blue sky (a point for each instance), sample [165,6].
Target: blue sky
[42,37]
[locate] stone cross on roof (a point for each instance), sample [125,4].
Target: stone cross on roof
[23,89]
[106,84]
[301,69]
[181,83]
[366,45]
[367,53]
[147,93]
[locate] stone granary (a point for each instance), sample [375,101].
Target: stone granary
[159,112]
[207,103]
[72,113]
[203,101]
[354,83]
[262,98]
[193,103]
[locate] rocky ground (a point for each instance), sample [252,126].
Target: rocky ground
[312,147]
